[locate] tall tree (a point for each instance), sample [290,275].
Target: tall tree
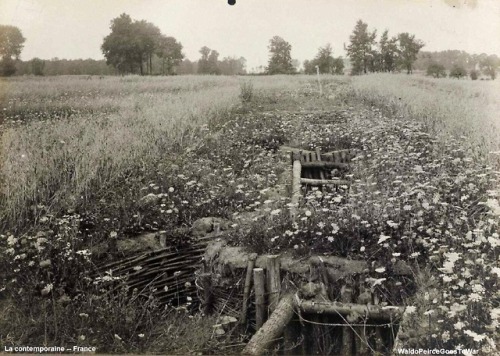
[489,66]
[11,42]
[187,67]
[360,49]
[389,52]
[131,45]
[146,39]
[325,62]
[11,45]
[408,50]
[37,66]
[203,65]
[338,66]
[213,62]
[324,59]
[280,58]
[118,47]
[170,53]
[309,67]
[232,66]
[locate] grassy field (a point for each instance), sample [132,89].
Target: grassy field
[79,156]
[468,110]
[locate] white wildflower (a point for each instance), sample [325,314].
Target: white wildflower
[446,336]
[474,297]
[276,212]
[11,240]
[382,238]
[476,337]
[410,309]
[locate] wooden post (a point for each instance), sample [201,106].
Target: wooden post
[206,285]
[296,191]
[397,340]
[272,329]
[273,281]
[259,282]
[321,173]
[216,226]
[362,331]
[347,334]
[246,291]
[379,331]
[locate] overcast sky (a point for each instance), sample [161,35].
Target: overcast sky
[75,28]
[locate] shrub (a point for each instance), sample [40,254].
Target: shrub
[491,72]
[7,67]
[458,72]
[436,70]
[474,74]
[246,92]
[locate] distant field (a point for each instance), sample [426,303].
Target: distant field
[469,110]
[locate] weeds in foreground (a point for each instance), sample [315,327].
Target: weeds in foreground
[246,92]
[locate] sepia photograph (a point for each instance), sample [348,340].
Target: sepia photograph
[250,177]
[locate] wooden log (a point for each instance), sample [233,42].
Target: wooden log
[345,155]
[273,281]
[259,286]
[246,290]
[371,311]
[272,329]
[337,182]
[327,155]
[325,164]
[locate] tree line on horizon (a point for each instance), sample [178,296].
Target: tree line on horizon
[139,47]
[388,54]
[457,64]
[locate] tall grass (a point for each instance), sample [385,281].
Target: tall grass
[60,161]
[468,110]
[66,139]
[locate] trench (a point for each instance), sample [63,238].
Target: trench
[326,306]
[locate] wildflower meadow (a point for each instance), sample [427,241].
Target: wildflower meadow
[83,162]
